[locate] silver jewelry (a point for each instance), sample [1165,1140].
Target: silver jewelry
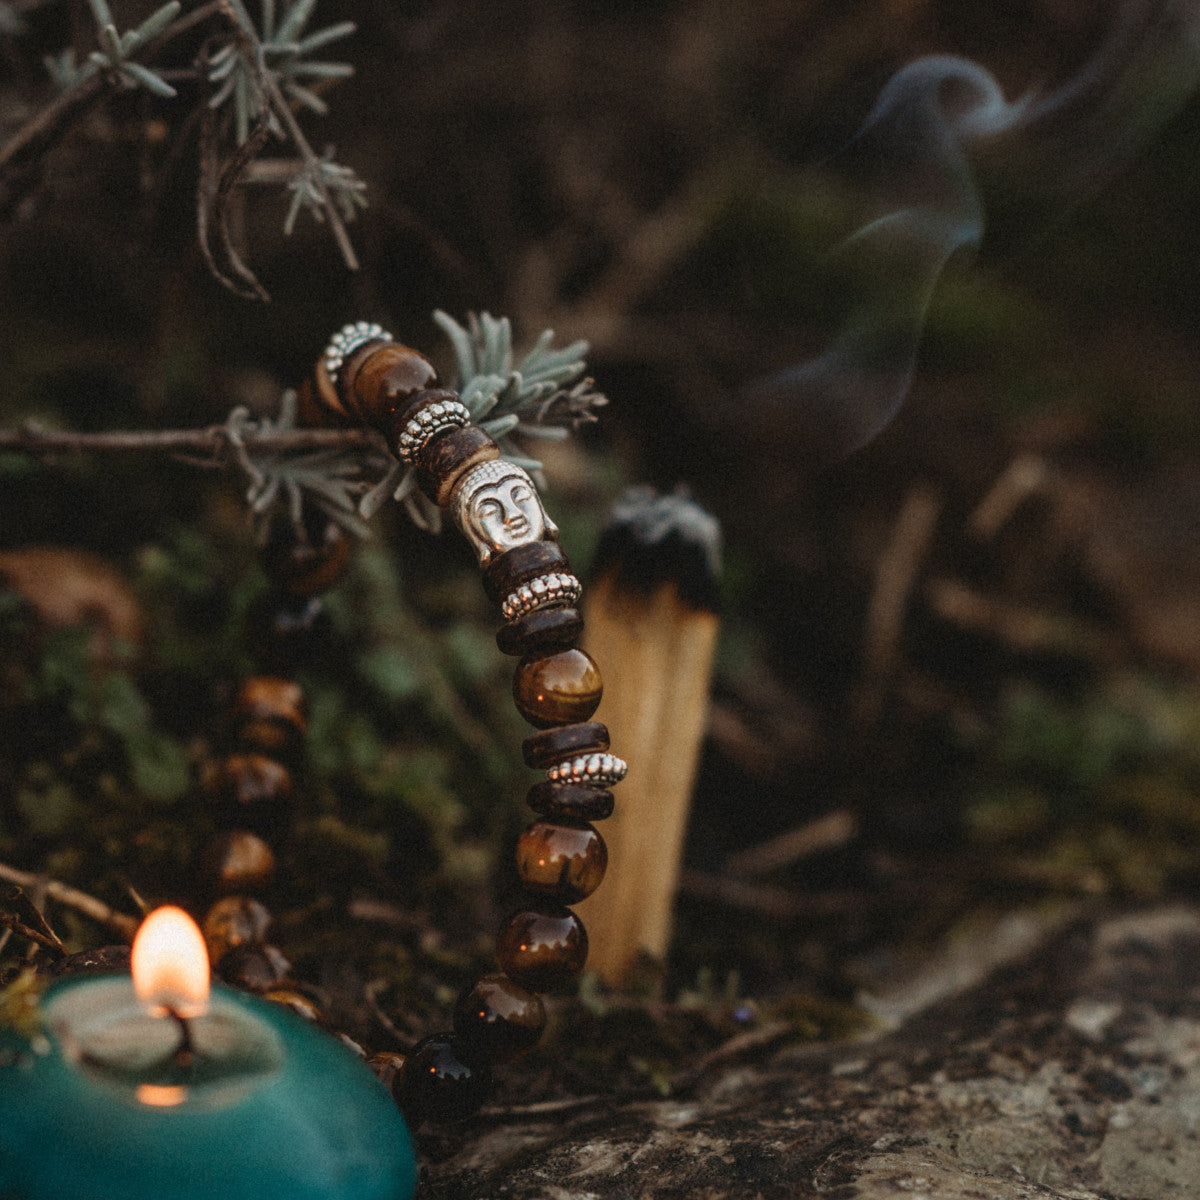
[546,591]
[592,770]
[428,423]
[347,340]
[497,507]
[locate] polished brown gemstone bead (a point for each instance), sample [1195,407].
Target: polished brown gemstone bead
[319,404]
[444,460]
[441,1080]
[566,861]
[383,380]
[304,566]
[353,363]
[250,790]
[542,947]
[570,800]
[506,572]
[283,631]
[255,968]
[557,689]
[269,714]
[564,741]
[300,1004]
[499,1018]
[238,861]
[386,1065]
[543,629]
[234,921]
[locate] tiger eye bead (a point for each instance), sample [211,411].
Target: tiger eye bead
[499,1018]
[557,689]
[305,566]
[444,460]
[254,968]
[506,572]
[542,947]
[564,741]
[238,861]
[541,630]
[441,1080]
[570,800]
[566,861]
[269,714]
[374,386]
[318,404]
[251,790]
[234,921]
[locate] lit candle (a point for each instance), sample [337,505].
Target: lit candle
[155,1088]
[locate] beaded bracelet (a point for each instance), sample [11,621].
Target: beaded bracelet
[364,376]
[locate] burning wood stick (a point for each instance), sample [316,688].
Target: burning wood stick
[651,619]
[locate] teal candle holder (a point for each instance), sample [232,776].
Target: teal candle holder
[96,1106]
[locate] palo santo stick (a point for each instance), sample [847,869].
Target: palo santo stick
[650,618]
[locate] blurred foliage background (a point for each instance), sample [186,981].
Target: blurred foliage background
[974,645]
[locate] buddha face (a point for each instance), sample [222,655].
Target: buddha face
[500,510]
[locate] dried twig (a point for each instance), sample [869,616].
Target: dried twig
[33,935]
[26,909]
[829,832]
[210,442]
[64,894]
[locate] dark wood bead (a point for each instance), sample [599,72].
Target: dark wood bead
[283,631]
[506,572]
[255,967]
[304,566]
[386,1065]
[444,460]
[542,947]
[441,1080]
[269,714]
[564,741]
[250,790]
[499,1018]
[384,379]
[541,630]
[557,689]
[566,861]
[103,960]
[570,800]
[234,921]
[238,861]
[299,1003]
[405,410]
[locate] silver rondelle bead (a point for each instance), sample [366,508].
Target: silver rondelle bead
[347,340]
[546,591]
[428,424]
[592,770]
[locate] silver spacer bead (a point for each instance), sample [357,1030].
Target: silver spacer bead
[545,591]
[347,340]
[428,423]
[592,770]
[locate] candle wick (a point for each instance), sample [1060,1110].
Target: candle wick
[185,1052]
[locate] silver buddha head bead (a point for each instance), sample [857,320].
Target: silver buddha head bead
[497,507]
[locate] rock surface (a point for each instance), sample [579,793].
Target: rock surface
[1072,1072]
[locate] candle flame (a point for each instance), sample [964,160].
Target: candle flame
[170,964]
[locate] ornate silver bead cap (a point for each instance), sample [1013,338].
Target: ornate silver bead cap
[347,340]
[428,423]
[592,770]
[545,591]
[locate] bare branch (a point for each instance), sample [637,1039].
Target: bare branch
[119,923]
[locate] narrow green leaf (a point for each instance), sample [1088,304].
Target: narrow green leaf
[110,43]
[157,21]
[464,358]
[310,100]
[148,80]
[319,70]
[296,19]
[323,37]
[101,12]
